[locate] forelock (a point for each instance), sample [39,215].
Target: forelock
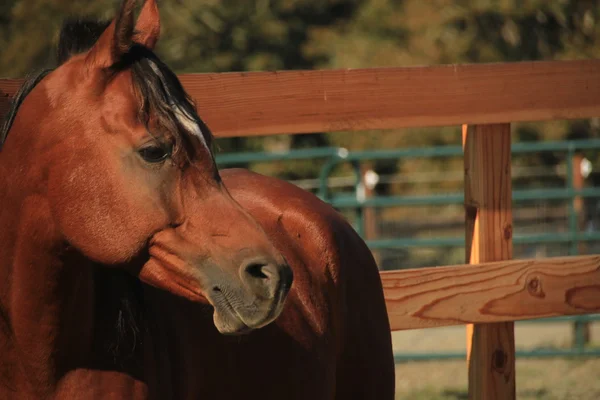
[163,99]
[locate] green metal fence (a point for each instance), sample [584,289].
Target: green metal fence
[334,157]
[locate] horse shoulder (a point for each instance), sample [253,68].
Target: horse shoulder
[293,218]
[337,285]
[328,258]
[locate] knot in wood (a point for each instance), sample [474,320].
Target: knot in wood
[534,287]
[499,359]
[508,232]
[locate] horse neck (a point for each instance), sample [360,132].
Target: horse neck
[46,291]
[59,311]
[21,177]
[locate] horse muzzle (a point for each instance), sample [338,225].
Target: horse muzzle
[255,303]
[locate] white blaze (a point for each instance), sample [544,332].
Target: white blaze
[185,119]
[188,122]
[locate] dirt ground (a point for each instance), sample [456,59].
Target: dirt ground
[537,379]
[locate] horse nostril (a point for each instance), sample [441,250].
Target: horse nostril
[261,271]
[266,278]
[261,275]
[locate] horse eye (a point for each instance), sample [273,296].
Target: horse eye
[155,154]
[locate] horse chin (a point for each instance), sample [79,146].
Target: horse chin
[230,325]
[231,320]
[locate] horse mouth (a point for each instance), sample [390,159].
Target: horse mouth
[234,315]
[246,293]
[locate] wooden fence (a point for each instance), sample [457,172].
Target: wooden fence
[491,291]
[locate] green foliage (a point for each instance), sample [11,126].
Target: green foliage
[29,30]
[231,35]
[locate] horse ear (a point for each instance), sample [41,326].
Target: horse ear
[116,40]
[147,29]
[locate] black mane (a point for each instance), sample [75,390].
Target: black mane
[30,82]
[78,36]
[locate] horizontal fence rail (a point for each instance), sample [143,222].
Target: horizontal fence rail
[492,292]
[267,103]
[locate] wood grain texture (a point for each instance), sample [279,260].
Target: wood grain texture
[265,103]
[492,292]
[488,219]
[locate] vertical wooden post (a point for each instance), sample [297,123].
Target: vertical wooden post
[488,200]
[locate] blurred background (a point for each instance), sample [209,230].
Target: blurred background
[401,189]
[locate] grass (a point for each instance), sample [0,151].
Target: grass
[549,379]
[537,379]
[433,394]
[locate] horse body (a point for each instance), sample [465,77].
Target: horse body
[332,341]
[128,260]
[337,310]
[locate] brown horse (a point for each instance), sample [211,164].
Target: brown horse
[128,262]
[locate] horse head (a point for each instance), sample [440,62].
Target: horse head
[111,141]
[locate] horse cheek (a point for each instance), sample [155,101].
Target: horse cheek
[101,213]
